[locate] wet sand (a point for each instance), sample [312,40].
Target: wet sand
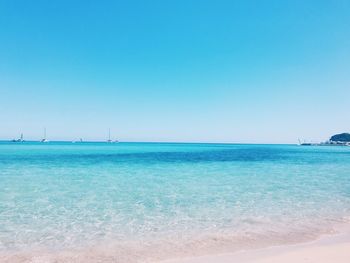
[328,249]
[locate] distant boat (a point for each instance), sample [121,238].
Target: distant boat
[109,136]
[44,139]
[19,140]
[307,143]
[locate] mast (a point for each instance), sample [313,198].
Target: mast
[109,135]
[44,139]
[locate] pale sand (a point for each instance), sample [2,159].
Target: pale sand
[331,249]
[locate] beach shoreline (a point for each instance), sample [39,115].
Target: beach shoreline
[330,248]
[333,247]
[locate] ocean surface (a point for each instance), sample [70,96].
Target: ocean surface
[132,202]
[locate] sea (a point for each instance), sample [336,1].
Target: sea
[144,202]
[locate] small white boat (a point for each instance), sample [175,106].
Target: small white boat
[19,140]
[109,136]
[44,139]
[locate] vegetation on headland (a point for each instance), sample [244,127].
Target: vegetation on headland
[342,137]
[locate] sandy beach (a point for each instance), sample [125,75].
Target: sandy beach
[328,249]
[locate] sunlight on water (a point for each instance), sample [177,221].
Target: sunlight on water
[132,198]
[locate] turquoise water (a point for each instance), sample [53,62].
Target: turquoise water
[132,201]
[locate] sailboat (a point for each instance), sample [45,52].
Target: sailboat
[44,139]
[304,143]
[20,139]
[109,136]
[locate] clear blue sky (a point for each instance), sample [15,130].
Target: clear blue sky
[229,71]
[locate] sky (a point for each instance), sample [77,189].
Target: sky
[177,71]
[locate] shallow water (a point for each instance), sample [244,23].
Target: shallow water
[132,201]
